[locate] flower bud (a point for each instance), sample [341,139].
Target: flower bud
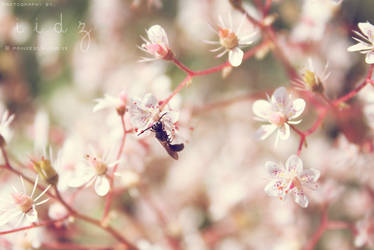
[312,82]
[46,171]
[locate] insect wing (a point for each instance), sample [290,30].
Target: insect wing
[169,150]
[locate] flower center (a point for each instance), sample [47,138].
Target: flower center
[278,119]
[99,165]
[228,39]
[156,49]
[23,201]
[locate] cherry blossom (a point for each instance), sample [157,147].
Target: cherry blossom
[291,179]
[231,41]
[157,44]
[20,207]
[280,111]
[365,41]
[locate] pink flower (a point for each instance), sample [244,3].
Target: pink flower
[291,179]
[365,41]
[364,233]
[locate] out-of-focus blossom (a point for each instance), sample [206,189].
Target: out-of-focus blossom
[280,111]
[314,18]
[311,79]
[145,245]
[57,211]
[157,44]
[118,103]
[365,41]
[20,207]
[94,170]
[364,232]
[143,113]
[291,179]
[129,178]
[231,41]
[5,132]
[41,131]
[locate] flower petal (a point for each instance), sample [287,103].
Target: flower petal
[273,168]
[301,199]
[265,131]
[284,132]
[280,98]
[32,215]
[236,57]
[102,185]
[358,47]
[295,165]
[297,108]
[157,34]
[310,176]
[262,109]
[370,57]
[367,29]
[273,188]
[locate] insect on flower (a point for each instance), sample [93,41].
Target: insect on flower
[162,136]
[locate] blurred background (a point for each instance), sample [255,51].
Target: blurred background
[57,57]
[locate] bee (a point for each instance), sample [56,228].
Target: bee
[162,136]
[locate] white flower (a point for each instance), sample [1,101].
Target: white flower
[5,121]
[110,102]
[365,41]
[144,112]
[157,44]
[280,111]
[18,206]
[364,233]
[232,41]
[94,170]
[291,179]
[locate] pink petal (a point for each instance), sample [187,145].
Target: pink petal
[280,98]
[310,176]
[301,199]
[297,108]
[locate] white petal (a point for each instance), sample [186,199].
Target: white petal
[272,188]
[102,185]
[297,108]
[265,131]
[280,98]
[310,176]
[157,34]
[367,29]
[236,57]
[32,216]
[284,132]
[262,109]
[273,168]
[301,199]
[358,47]
[370,57]
[149,101]
[294,164]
